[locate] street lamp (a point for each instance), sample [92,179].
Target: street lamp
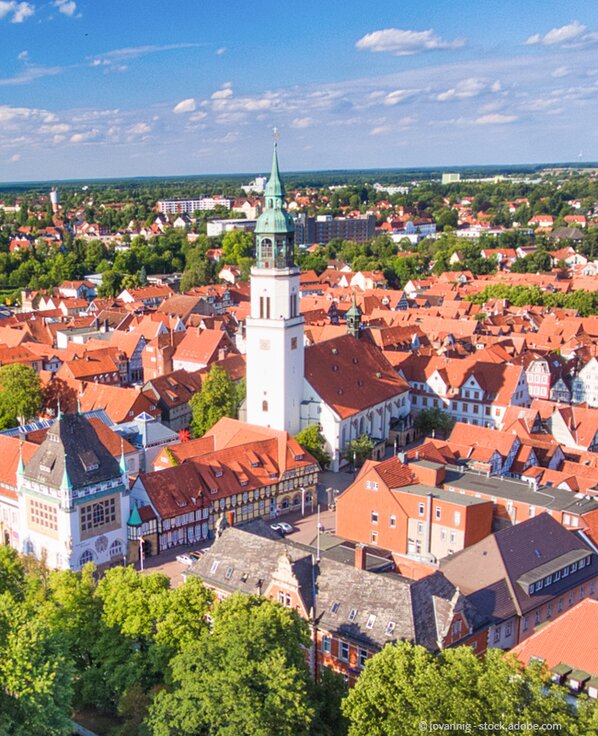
[141,552]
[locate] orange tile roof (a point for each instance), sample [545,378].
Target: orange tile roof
[351,375]
[571,639]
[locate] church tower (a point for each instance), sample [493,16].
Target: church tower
[274,336]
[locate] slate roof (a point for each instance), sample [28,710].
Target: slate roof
[502,559]
[74,440]
[546,497]
[246,562]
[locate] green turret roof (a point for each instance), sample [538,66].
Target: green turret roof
[354,310]
[134,518]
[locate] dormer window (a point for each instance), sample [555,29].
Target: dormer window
[352,615]
[335,606]
[371,621]
[390,627]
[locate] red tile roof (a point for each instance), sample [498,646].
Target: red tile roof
[351,375]
[570,639]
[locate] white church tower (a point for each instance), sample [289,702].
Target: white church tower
[274,339]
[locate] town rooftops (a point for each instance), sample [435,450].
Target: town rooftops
[373,608]
[483,570]
[424,491]
[547,497]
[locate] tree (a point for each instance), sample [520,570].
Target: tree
[236,244]
[430,421]
[111,281]
[20,395]
[218,398]
[247,676]
[312,440]
[358,450]
[405,686]
[35,672]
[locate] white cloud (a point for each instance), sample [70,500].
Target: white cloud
[302,122]
[31,73]
[405,43]
[14,158]
[465,88]
[224,92]
[183,106]
[197,116]
[561,71]
[571,35]
[381,130]
[495,119]
[88,135]
[135,52]
[139,129]
[66,7]
[23,56]
[18,11]
[399,95]
[220,51]
[407,121]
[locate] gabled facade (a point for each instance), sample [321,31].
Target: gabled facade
[73,498]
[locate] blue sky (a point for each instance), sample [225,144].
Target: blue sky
[102,88]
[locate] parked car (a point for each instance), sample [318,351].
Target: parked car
[196,555]
[185,559]
[282,527]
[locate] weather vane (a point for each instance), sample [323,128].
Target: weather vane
[275,134]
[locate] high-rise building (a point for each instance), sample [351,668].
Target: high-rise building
[275,351]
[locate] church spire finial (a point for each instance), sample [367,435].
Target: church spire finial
[275,187]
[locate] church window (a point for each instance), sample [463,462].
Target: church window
[98,514]
[116,549]
[293,343]
[264,406]
[86,557]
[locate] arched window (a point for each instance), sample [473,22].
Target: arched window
[86,557]
[264,406]
[116,549]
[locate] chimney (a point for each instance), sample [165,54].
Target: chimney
[360,556]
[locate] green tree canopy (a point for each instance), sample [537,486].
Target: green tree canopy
[312,440]
[247,676]
[218,398]
[434,420]
[236,244]
[405,686]
[359,450]
[20,395]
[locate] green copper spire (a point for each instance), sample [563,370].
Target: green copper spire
[274,187]
[353,317]
[66,484]
[275,228]
[134,518]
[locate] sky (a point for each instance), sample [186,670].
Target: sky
[114,88]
